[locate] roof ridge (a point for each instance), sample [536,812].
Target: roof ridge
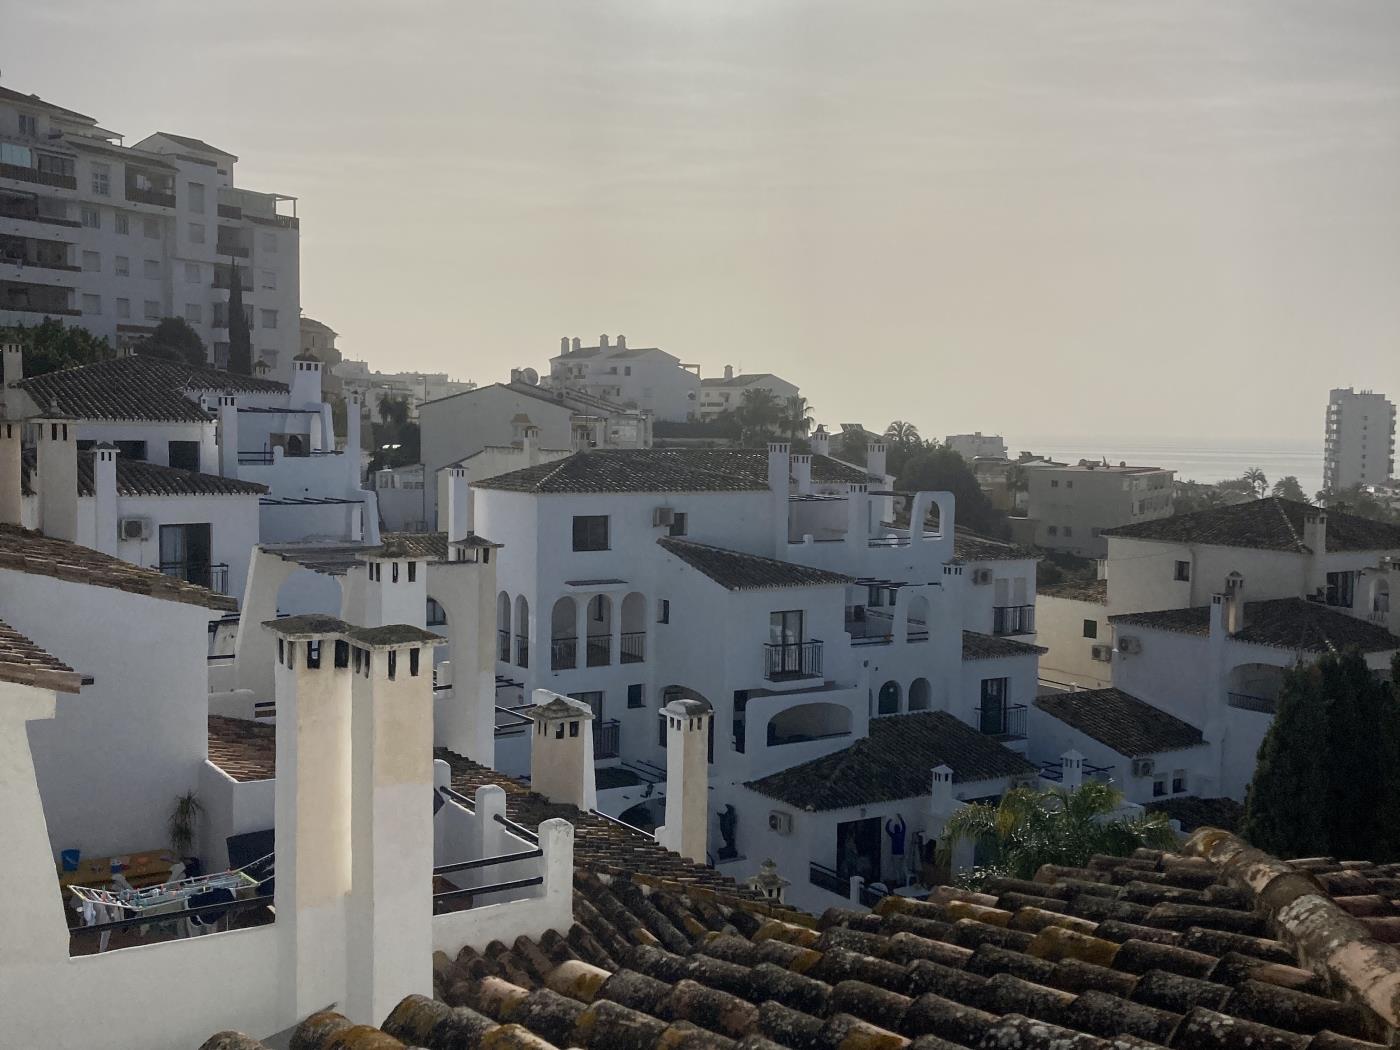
[1279,506]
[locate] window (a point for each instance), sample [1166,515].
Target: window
[636,696]
[269,279]
[887,703]
[1183,571]
[393,663]
[678,525]
[1069,530]
[121,266]
[92,304]
[1341,589]
[1053,530]
[196,233]
[92,261]
[101,180]
[123,308]
[663,611]
[1091,628]
[413,662]
[184,455]
[342,654]
[197,196]
[192,273]
[269,242]
[1178,781]
[185,553]
[1054,484]
[29,125]
[193,313]
[150,226]
[129,450]
[92,218]
[590,532]
[1069,484]
[150,269]
[313,654]
[152,311]
[1159,787]
[123,223]
[269,318]
[437,615]
[992,709]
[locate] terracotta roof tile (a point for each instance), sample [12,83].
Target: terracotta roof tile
[138,478]
[738,571]
[1265,524]
[25,663]
[1129,726]
[971,546]
[977,646]
[1284,623]
[243,749]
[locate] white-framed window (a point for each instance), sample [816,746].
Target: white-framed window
[123,222]
[121,266]
[192,273]
[269,242]
[29,125]
[193,313]
[92,262]
[152,310]
[150,226]
[269,279]
[150,269]
[196,233]
[197,196]
[92,304]
[123,308]
[101,179]
[92,217]
[269,318]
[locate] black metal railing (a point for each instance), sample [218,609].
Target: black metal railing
[871,895]
[214,577]
[1013,619]
[917,631]
[174,920]
[481,891]
[522,650]
[1007,721]
[607,738]
[633,645]
[139,196]
[563,654]
[792,660]
[43,178]
[513,725]
[503,646]
[1250,702]
[824,878]
[599,650]
[258,456]
[30,212]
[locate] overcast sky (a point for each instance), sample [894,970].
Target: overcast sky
[1109,217]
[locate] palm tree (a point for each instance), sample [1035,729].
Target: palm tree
[903,434]
[797,417]
[1257,481]
[1028,828]
[759,413]
[393,411]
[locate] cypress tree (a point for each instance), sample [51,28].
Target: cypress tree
[240,341]
[1284,806]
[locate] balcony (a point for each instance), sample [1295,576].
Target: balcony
[211,576]
[599,650]
[563,654]
[522,650]
[22,297]
[503,646]
[824,878]
[1006,722]
[1249,702]
[633,644]
[1013,619]
[870,627]
[25,206]
[42,178]
[607,739]
[788,661]
[137,195]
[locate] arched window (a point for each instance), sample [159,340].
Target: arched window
[503,627]
[522,631]
[919,694]
[563,635]
[888,701]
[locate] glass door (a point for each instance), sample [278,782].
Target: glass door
[786,634]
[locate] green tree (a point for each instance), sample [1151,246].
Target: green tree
[1356,500]
[50,346]
[1256,480]
[760,414]
[175,340]
[397,440]
[1324,782]
[797,417]
[1289,488]
[240,339]
[903,434]
[1028,828]
[940,469]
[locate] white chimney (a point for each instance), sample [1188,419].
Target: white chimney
[306,382]
[857,514]
[561,750]
[821,442]
[11,473]
[454,509]
[686,830]
[875,459]
[354,453]
[466,719]
[1071,770]
[396,586]
[622,342]
[779,488]
[941,802]
[564,345]
[603,341]
[576,343]
[728,371]
[802,473]
[531,443]
[13,355]
[58,477]
[1234,618]
[104,493]
[228,435]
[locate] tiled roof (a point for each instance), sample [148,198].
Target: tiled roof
[661,470]
[893,763]
[430,545]
[10,95]
[243,749]
[137,478]
[971,546]
[736,571]
[193,143]
[137,388]
[24,663]
[577,401]
[739,380]
[1266,524]
[1218,947]
[22,550]
[1129,726]
[989,647]
[1284,623]
[1078,590]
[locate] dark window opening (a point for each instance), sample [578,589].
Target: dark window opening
[313,654]
[393,662]
[394,573]
[573,728]
[636,696]
[342,654]
[663,611]
[590,532]
[131,449]
[1091,628]
[412,571]
[413,662]
[184,455]
[1341,589]
[678,525]
[1183,571]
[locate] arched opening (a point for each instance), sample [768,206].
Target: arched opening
[436,615]
[522,631]
[599,625]
[917,630]
[1254,687]
[806,722]
[1380,599]
[634,629]
[920,694]
[887,703]
[503,627]
[295,446]
[563,635]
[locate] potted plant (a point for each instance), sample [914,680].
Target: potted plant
[183,824]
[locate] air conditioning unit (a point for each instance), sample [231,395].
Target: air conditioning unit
[982,576]
[1102,653]
[1129,644]
[780,822]
[1142,767]
[663,516]
[134,528]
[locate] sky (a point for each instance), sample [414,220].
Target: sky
[1117,217]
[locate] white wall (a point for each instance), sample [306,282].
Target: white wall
[1059,627]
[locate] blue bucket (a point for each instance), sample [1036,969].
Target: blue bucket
[69,857]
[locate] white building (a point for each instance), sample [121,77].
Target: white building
[1072,505]
[357,377]
[642,379]
[977,446]
[725,394]
[1360,444]
[117,237]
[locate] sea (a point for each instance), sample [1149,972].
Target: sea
[1194,459]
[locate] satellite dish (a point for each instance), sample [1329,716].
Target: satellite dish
[529,377]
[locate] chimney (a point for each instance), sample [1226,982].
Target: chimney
[603,341]
[875,459]
[564,345]
[306,382]
[686,830]
[622,342]
[857,514]
[396,586]
[941,802]
[58,476]
[821,442]
[576,342]
[13,354]
[11,473]
[228,435]
[1234,604]
[390,934]
[802,473]
[454,507]
[561,750]
[728,371]
[466,719]
[779,487]
[531,444]
[353,438]
[312,806]
[1315,539]
[1071,770]
[104,492]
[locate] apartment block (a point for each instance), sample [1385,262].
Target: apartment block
[1360,445]
[1073,504]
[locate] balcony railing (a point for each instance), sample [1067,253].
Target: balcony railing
[633,645]
[212,576]
[1007,722]
[1013,619]
[43,178]
[29,211]
[600,650]
[223,247]
[522,650]
[1249,702]
[607,739]
[563,654]
[503,646]
[824,878]
[789,660]
[139,196]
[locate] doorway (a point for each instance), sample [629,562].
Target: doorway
[185,553]
[858,849]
